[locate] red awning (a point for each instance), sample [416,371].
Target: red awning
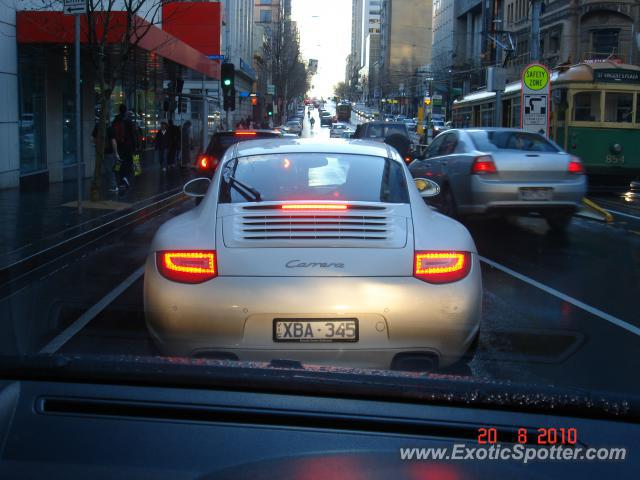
[55,27]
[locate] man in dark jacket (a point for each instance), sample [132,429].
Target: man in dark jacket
[174,143]
[125,143]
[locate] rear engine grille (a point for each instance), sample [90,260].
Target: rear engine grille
[315,227]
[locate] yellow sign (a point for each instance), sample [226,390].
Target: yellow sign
[535,77]
[419,128]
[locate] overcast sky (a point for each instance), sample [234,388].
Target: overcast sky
[325,34]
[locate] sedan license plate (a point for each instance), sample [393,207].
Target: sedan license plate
[533,194]
[315,330]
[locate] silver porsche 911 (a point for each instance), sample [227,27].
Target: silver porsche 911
[319,252]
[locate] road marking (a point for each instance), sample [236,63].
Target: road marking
[54,345]
[551,291]
[623,214]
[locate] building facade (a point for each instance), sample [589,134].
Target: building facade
[37,122]
[572,31]
[405,45]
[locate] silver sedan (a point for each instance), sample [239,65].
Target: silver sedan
[504,171]
[320,252]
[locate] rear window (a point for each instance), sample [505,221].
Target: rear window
[224,141]
[492,141]
[384,130]
[313,176]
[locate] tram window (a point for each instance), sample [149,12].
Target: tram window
[586,107]
[618,107]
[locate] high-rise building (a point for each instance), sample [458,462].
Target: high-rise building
[405,46]
[444,31]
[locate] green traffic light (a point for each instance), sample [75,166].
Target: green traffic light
[270,113]
[227,82]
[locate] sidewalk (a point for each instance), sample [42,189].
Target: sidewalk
[35,220]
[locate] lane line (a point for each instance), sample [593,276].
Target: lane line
[623,214]
[54,345]
[551,291]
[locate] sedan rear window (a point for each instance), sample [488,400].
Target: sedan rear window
[221,142]
[313,176]
[492,141]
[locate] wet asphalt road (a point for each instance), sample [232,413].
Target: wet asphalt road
[528,333]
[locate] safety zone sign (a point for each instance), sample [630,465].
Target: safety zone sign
[536,99]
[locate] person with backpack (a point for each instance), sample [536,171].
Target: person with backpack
[125,143]
[109,159]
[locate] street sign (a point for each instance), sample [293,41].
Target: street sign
[535,103]
[271,89]
[215,57]
[74,7]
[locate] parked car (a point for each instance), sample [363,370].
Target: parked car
[281,224]
[294,126]
[221,141]
[504,171]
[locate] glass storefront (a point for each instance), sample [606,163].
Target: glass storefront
[32,109]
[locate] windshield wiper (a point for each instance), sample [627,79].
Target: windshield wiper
[256,194]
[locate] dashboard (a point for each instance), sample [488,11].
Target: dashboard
[85,430]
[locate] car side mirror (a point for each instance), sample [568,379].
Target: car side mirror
[427,188]
[197,187]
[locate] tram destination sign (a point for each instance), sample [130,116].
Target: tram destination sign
[614,75]
[535,100]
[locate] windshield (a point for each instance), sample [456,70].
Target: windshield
[316,176]
[492,141]
[455,181]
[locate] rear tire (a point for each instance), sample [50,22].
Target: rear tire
[560,222]
[449,206]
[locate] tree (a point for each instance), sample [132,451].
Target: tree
[289,73]
[342,90]
[104,22]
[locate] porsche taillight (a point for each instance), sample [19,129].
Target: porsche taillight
[441,267]
[187,266]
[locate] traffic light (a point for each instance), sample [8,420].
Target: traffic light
[270,109]
[228,74]
[230,99]
[254,101]
[427,101]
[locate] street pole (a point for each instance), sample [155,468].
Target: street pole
[205,117]
[536,10]
[78,120]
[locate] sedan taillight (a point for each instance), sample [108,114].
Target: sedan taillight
[187,266]
[483,165]
[575,166]
[206,162]
[441,267]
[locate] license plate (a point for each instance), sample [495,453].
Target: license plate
[535,194]
[316,330]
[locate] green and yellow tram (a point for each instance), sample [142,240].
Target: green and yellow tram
[595,114]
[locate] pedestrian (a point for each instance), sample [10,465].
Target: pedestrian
[162,145]
[124,145]
[312,122]
[187,145]
[174,144]
[109,159]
